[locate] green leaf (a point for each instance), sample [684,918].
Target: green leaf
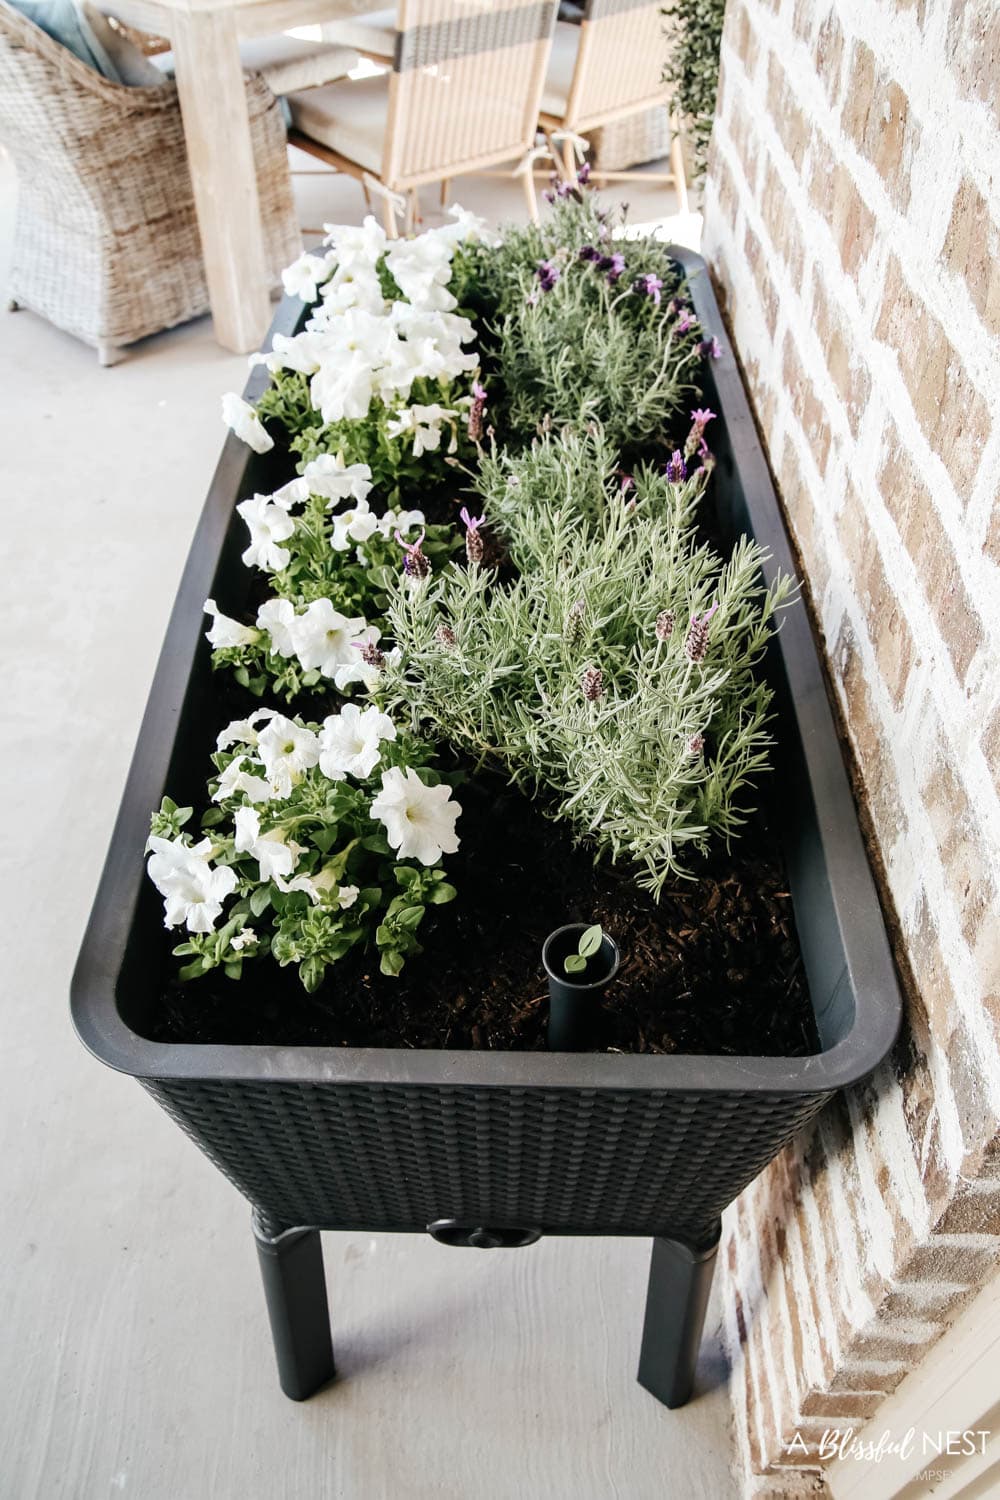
[574,963]
[242,676]
[392,962]
[590,941]
[411,917]
[234,969]
[260,899]
[439,894]
[193,970]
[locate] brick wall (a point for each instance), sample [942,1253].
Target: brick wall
[851,220]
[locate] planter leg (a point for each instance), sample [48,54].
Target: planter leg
[680,1279]
[291,1265]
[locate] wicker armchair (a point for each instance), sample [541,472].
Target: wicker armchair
[106,243]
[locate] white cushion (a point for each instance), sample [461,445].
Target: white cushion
[562,62]
[286,62]
[348,117]
[373,31]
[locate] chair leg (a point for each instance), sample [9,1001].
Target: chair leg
[12,305]
[412,217]
[677,166]
[389,217]
[680,1280]
[291,1266]
[569,160]
[530,196]
[445,185]
[109,354]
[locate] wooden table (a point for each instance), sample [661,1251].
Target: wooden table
[205,36]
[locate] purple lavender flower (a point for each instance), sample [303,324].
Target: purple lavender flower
[700,419]
[473,541]
[676,470]
[583,175]
[445,636]
[696,642]
[696,744]
[625,482]
[592,684]
[476,411]
[649,286]
[678,305]
[685,322]
[370,654]
[548,274]
[664,624]
[710,348]
[614,265]
[416,564]
[588,252]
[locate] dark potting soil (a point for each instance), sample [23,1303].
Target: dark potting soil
[714,967]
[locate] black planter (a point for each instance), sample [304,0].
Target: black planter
[500,1145]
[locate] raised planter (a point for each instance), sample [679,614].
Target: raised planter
[484,1147]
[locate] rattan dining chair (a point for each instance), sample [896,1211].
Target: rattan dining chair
[609,67]
[463,95]
[106,242]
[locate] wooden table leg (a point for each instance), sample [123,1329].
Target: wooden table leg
[217,132]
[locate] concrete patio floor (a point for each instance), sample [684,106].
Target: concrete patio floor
[135,1358]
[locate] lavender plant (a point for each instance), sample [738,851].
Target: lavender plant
[583,324]
[615,673]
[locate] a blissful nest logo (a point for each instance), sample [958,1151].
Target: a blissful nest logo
[844,1443]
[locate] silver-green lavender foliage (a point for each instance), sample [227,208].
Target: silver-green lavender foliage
[615,673]
[582,325]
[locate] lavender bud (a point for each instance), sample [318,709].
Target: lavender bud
[696,744]
[676,469]
[416,564]
[372,656]
[445,636]
[592,684]
[696,643]
[573,630]
[476,411]
[664,624]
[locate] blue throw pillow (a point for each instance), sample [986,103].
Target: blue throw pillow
[61,20]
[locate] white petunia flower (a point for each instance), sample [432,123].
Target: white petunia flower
[349,742]
[424,423]
[243,731]
[303,277]
[352,286]
[467,226]
[355,525]
[323,637]
[268,524]
[343,388]
[403,521]
[226,632]
[277,617]
[347,895]
[287,751]
[357,244]
[240,416]
[295,492]
[299,883]
[419,820]
[193,891]
[330,477]
[235,779]
[273,855]
[421,268]
[245,938]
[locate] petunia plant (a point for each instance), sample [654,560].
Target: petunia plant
[320,838]
[331,559]
[380,372]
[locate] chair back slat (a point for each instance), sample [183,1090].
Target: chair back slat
[466,86]
[623,52]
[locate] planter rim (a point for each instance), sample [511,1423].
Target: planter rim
[869,969]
